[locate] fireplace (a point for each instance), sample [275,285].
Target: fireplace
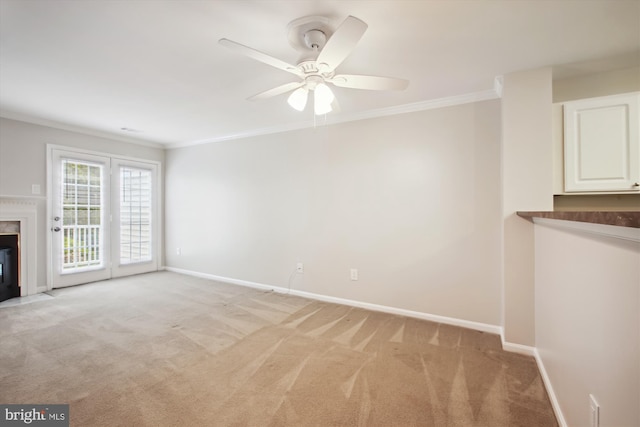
[9,266]
[18,243]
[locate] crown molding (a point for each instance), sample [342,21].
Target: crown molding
[12,115]
[351,117]
[330,120]
[240,135]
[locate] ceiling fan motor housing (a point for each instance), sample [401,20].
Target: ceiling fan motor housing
[311,82]
[309,34]
[312,68]
[315,39]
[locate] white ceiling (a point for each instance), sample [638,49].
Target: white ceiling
[155,66]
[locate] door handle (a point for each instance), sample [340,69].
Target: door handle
[56,229]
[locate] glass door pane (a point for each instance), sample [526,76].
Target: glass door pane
[82,229]
[135,213]
[80,218]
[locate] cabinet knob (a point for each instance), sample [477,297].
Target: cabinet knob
[637,184]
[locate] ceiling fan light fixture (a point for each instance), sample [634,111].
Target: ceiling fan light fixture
[324,94]
[298,98]
[322,99]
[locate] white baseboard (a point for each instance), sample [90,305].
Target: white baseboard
[226,279]
[484,327]
[532,351]
[552,395]
[517,348]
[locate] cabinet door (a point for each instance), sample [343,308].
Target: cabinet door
[602,149]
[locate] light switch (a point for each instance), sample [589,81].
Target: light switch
[35,188]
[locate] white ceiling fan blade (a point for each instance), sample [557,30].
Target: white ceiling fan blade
[260,56]
[368,82]
[342,42]
[287,87]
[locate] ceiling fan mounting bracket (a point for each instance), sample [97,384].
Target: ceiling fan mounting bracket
[310,33]
[315,39]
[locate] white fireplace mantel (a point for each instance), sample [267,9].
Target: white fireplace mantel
[26,212]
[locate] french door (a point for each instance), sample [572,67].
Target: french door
[134,216]
[103,215]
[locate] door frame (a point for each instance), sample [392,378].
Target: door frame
[158,193]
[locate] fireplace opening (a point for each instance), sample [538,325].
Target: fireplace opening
[9,262]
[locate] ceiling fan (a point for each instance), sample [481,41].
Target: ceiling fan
[323,51]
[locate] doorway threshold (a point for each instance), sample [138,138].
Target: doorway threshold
[25,300]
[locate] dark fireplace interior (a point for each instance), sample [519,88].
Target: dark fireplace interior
[9,266]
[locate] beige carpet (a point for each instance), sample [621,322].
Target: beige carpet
[164,349]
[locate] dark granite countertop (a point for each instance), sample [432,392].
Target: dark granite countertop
[620,218]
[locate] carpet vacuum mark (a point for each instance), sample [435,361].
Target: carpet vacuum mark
[164,349]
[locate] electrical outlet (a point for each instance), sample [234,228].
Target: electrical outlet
[35,188]
[595,411]
[354,274]
[299,268]
[178,251]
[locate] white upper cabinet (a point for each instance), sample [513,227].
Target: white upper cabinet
[601,144]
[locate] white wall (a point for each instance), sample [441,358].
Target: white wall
[597,84]
[412,201]
[527,185]
[588,323]
[23,162]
